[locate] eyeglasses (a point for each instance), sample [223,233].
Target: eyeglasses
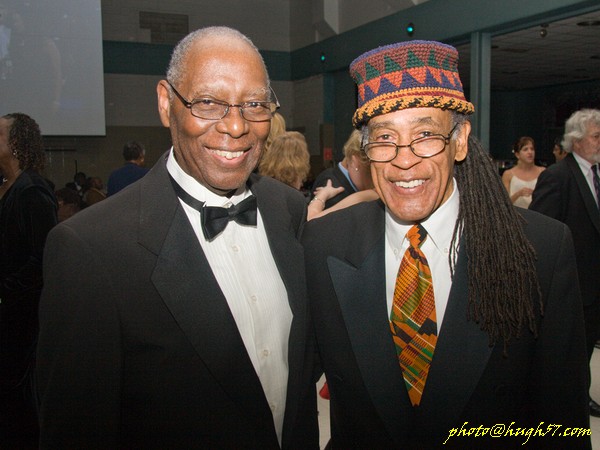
[424,147]
[211,109]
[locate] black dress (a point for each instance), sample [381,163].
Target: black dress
[27,213]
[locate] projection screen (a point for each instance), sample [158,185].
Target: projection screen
[51,64]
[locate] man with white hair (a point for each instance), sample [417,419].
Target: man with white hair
[570,192]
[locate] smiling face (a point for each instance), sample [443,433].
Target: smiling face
[220,154]
[412,187]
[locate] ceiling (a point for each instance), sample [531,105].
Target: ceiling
[569,52]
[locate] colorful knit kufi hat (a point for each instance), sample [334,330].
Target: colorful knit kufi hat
[412,74]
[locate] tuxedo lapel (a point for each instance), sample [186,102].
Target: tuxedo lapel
[359,283]
[185,281]
[586,193]
[461,355]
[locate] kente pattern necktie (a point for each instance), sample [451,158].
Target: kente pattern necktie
[413,320]
[214,219]
[596,183]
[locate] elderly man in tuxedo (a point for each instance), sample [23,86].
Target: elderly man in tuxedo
[443,315]
[192,330]
[570,192]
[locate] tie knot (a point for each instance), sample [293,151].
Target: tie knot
[214,219]
[416,235]
[595,169]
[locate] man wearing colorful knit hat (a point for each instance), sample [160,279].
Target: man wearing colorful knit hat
[449,317]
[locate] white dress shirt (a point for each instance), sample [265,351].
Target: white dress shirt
[586,169]
[436,248]
[241,260]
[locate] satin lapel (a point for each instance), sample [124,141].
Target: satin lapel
[360,289]
[289,259]
[586,193]
[461,355]
[185,281]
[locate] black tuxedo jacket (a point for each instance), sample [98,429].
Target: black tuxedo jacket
[138,347]
[562,193]
[470,383]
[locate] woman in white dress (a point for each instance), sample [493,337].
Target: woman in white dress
[520,180]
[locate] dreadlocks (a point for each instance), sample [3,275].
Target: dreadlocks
[503,283]
[25,141]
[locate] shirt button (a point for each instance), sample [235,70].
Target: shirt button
[254,298]
[235,248]
[266,352]
[272,406]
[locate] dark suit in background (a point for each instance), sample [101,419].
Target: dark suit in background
[124,176]
[567,192]
[563,193]
[338,179]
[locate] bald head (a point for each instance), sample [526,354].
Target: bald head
[205,38]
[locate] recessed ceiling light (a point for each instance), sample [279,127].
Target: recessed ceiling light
[589,23]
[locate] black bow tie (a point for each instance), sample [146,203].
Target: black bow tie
[214,219]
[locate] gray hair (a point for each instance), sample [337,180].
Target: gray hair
[177,67]
[576,126]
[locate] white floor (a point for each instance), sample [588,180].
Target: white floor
[323,406]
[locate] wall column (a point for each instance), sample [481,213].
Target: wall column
[481,63]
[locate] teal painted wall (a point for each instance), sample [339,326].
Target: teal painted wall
[512,114]
[138,58]
[450,21]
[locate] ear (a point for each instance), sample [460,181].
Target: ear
[462,141]
[164,104]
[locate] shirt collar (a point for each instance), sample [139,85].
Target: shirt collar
[440,225]
[347,175]
[199,191]
[585,165]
